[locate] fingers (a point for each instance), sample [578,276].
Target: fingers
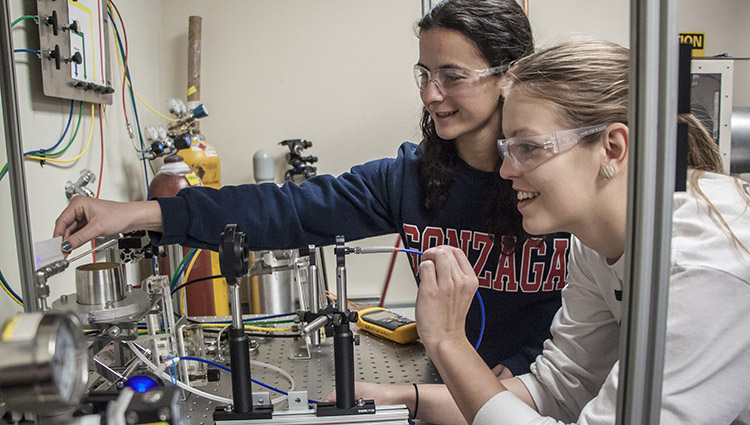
[65,223]
[73,224]
[451,266]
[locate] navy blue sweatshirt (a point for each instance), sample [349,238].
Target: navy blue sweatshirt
[521,292]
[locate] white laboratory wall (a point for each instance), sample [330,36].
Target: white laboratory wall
[43,120]
[336,72]
[724,22]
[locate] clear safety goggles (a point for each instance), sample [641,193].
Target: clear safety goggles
[451,80]
[528,152]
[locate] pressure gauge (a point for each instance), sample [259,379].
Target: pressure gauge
[43,363]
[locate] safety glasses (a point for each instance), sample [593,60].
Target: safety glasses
[528,152]
[451,81]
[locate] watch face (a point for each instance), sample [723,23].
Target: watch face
[64,363]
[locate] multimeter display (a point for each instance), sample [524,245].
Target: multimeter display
[388,324]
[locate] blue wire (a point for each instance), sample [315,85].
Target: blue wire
[255,318]
[172,376]
[26,51]
[481,330]
[479,297]
[182,269]
[272,316]
[132,98]
[222,367]
[5,284]
[67,127]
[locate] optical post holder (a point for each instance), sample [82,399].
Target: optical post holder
[234,263]
[343,346]
[301,165]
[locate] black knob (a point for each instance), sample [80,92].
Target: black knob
[181,141]
[52,20]
[55,54]
[157,148]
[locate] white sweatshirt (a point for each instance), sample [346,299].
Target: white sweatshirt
[707,357]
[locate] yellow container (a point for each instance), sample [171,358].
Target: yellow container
[204,160]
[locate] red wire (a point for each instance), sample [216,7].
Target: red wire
[124,60]
[101,167]
[390,271]
[101,171]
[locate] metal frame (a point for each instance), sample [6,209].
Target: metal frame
[16,172]
[724,68]
[652,152]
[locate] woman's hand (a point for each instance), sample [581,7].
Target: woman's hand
[446,289]
[86,218]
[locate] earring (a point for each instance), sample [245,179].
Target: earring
[607,171]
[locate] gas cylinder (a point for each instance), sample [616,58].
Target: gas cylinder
[172,177]
[204,160]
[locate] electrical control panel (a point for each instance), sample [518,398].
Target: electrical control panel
[73,44]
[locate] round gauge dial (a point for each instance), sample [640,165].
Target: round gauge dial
[64,363]
[51,345]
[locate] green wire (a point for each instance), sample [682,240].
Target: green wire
[179,267]
[4,170]
[272,322]
[75,133]
[21,19]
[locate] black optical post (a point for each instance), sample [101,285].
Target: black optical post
[343,347]
[234,263]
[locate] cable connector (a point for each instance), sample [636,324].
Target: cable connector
[131,133]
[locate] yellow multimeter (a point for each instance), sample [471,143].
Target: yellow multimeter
[388,324]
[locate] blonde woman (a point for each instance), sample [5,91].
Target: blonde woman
[566,152]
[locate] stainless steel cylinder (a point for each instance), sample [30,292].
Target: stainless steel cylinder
[276,293]
[236,305]
[99,283]
[341,298]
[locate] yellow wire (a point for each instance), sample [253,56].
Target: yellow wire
[357,306]
[249,327]
[91,134]
[125,76]
[187,273]
[11,295]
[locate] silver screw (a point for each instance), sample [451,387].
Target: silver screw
[131,417]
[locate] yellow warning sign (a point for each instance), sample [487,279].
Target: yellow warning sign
[697,39]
